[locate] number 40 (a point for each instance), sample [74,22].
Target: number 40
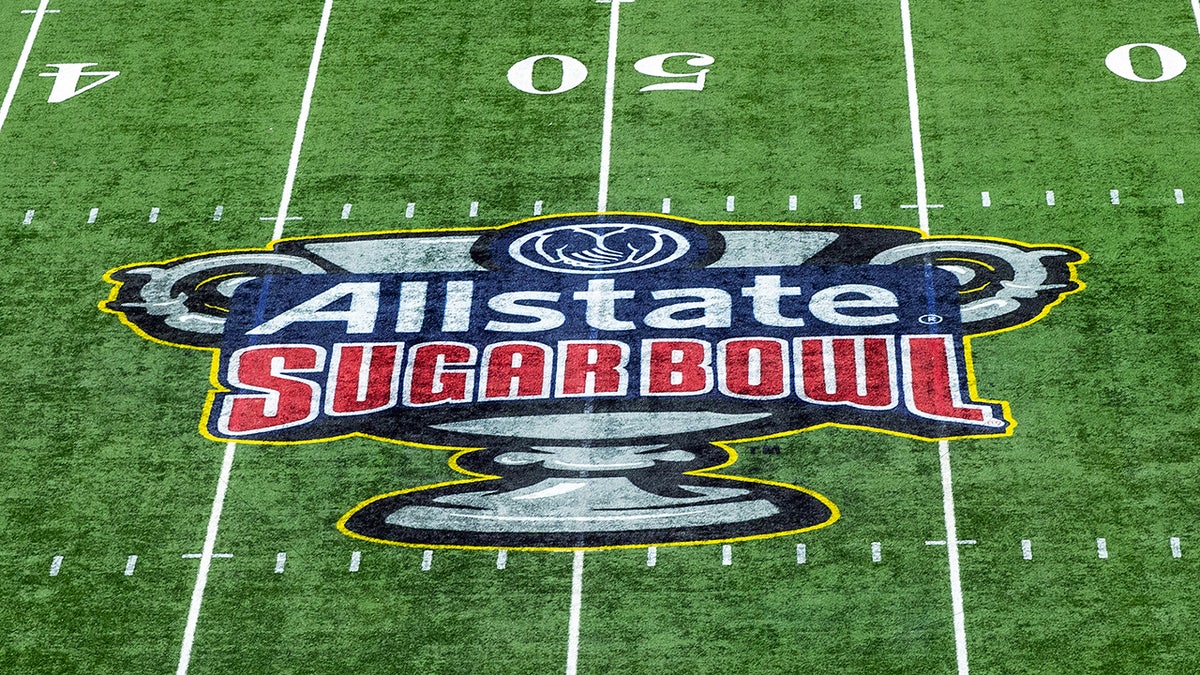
[574,73]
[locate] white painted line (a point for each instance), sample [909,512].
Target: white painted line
[1196,13]
[936,542]
[1176,550]
[986,197]
[410,210]
[576,607]
[56,565]
[210,541]
[610,82]
[346,211]
[214,519]
[928,206]
[1102,548]
[201,555]
[729,203]
[858,202]
[218,212]
[666,207]
[726,555]
[288,218]
[426,560]
[914,121]
[310,85]
[876,552]
[130,565]
[914,117]
[38,15]
[92,215]
[956,594]
[474,209]
[355,560]
[537,208]
[967,542]
[1049,197]
[1178,192]
[33,11]
[1027,549]
[1114,196]
[280,562]
[28,217]
[801,554]
[791,202]
[154,214]
[651,556]
[501,559]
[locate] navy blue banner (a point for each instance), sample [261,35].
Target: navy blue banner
[425,357]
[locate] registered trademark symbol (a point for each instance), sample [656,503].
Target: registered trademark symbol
[930,319]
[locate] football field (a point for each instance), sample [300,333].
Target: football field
[145,532]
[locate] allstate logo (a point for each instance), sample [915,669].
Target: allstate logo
[593,248]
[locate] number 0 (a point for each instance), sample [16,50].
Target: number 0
[1119,62]
[573,74]
[655,66]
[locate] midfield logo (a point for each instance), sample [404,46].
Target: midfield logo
[593,369]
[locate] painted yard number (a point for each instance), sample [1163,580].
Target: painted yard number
[574,72]
[1120,62]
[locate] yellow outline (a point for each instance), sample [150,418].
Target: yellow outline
[726,445]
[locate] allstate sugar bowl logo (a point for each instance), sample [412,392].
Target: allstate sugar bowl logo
[593,370]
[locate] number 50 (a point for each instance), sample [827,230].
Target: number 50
[574,73]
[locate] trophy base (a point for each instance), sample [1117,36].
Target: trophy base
[587,512]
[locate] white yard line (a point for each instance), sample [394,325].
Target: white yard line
[302,123]
[1196,13]
[610,82]
[38,15]
[206,556]
[956,596]
[214,518]
[801,554]
[576,606]
[952,542]
[914,118]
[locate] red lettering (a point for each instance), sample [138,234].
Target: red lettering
[363,378]
[515,370]
[676,367]
[592,368]
[854,371]
[428,381]
[931,383]
[285,401]
[753,368]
